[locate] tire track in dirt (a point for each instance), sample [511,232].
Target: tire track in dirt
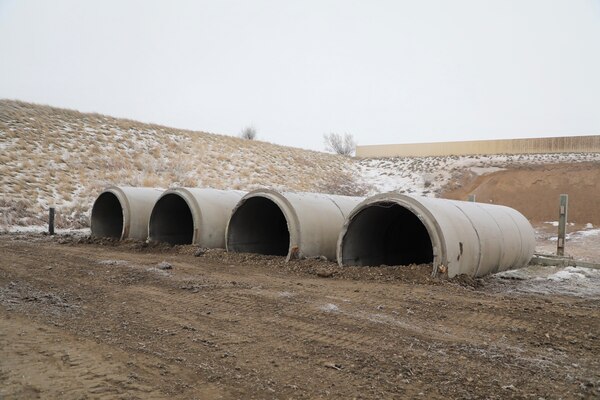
[290,316]
[474,321]
[263,333]
[269,334]
[31,366]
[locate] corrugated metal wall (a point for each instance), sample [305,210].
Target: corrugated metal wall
[567,144]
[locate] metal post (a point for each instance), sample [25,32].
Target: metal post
[562,224]
[51,221]
[472,197]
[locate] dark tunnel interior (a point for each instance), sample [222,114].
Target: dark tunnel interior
[171,221]
[107,216]
[386,233]
[258,226]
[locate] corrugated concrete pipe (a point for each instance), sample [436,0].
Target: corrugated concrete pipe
[295,225]
[457,237]
[192,216]
[123,212]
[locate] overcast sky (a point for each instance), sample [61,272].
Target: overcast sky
[385,71]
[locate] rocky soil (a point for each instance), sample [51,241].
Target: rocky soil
[98,319]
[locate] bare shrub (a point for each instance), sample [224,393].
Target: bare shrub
[340,144]
[249,133]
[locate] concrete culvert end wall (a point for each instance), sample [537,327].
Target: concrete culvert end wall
[192,216]
[456,237]
[294,225]
[171,220]
[123,212]
[386,233]
[107,216]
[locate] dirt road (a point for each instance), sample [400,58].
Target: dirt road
[90,320]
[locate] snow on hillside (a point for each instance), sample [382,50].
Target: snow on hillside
[427,176]
[51,156]
[62,157]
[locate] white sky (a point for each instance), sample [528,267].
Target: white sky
[385,71]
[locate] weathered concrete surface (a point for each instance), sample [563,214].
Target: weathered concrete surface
[457,237]
[123,212]
[192,216]
[295,225]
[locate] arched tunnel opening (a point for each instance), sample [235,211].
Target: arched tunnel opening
[386,233]
[107,216]
[171,221]
[258,226]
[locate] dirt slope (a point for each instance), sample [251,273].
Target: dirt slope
[103,321]
[534,190]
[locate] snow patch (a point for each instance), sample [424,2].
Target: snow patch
[426,176]
[158,271]
[329,307]
[486,170]
[572,281]
[567,274]
[113,262]
[44,228]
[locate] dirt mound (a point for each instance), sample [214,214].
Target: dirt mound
[316,266]
[535,190]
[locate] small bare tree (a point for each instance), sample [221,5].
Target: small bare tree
[248,132]
[340,144]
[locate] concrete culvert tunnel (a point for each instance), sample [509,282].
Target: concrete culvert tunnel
[107,216]
[192,216]
[456,237]
[295,225]
[171,220]
[258,226]
[386,234]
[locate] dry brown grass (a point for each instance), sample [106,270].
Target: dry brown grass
[66,157]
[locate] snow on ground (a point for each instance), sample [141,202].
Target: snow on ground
[329,307]
[582,234]
[572,281]
[44,228]
[426,176]
[587,232]
[486,170]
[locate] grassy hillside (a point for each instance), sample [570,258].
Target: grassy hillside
[51,155]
